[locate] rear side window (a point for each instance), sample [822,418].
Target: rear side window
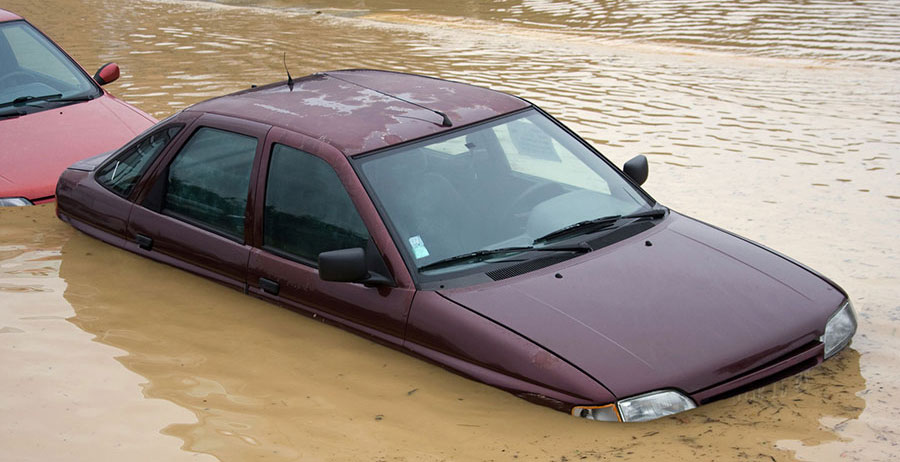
[209,180]
[308,211]
[120,175]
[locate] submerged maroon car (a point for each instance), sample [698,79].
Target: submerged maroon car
[468,227]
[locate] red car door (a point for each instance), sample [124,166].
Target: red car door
[193,212]
[309,201]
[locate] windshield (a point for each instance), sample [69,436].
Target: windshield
[33,71]
[493,186]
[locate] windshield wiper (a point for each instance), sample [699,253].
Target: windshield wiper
[481,255]
[52,98]
[28,99]
[71,99]
[477,255]
[582,226]
[650,213]
[597,224]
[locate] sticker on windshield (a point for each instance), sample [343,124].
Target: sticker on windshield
[418,247]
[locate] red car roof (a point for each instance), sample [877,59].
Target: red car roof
[8,16]
[358,111]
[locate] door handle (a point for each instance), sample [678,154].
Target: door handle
[144,242]
[269,286]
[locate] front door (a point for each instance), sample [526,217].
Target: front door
[306,209]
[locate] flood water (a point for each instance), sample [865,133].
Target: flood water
[777,120]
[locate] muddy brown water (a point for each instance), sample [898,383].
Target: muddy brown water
[780,121]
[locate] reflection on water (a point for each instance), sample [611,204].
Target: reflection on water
[63,395]
[778,120]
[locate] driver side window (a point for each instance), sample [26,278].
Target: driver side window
[308,211]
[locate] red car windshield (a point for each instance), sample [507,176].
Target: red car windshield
[34,72]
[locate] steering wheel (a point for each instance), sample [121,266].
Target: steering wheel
[23,77]
[530,197]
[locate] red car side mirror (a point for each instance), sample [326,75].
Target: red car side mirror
[107,73]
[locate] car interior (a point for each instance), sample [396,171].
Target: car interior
[491,188]
[17,78]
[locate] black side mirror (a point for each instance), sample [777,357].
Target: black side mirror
[353,265]
[637,169]
[345,265]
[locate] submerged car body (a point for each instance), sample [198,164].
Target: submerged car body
[468,227]
[52,113]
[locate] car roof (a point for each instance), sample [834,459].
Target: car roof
[8,16]
[362,110]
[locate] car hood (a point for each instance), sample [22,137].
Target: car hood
[37,147]
[683,305]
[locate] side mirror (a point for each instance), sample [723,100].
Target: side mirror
[637,169]
[107,73]
[353,265]
[345,265]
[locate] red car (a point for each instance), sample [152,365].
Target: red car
[52,113]
[464,226]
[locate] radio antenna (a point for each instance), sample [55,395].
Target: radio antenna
[290,79]
[445,122]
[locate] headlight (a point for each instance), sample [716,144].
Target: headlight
[640,408]
[14,201]
[654,405]
[839,330]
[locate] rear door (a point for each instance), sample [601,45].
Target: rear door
[194,213]
[309,201]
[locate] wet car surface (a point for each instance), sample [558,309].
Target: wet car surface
[52,113]
[468,227]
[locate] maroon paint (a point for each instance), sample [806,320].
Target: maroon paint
[217,256]
[358,195]
[356,120]
[383,310]
[599,332]
[79,198]
[813,354]
[442,331]
[746,308]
